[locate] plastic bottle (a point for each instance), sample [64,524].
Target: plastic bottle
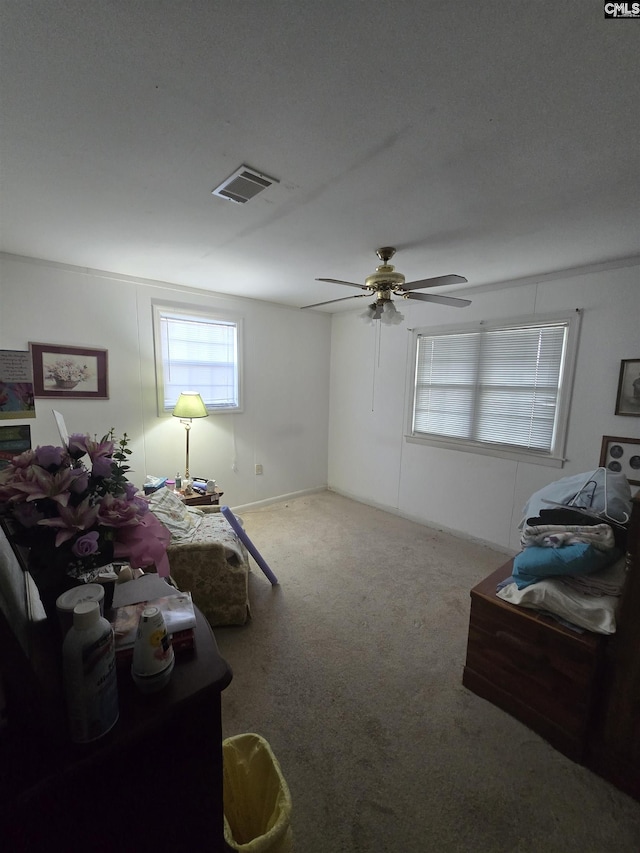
[153,656]
[89,673]
[178,482]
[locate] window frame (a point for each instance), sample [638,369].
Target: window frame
[553,458]
[178,310]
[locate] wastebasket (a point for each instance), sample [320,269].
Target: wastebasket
[257,801]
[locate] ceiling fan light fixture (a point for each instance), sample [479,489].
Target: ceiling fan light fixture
[372,312]
[390,314]
[383,310]
[367,314]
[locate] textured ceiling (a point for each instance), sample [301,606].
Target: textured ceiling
[493,140]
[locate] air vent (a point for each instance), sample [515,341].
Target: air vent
[244,184]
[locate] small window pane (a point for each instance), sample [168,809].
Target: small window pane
[198,353]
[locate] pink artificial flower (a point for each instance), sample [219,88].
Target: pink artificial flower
[11,480]
[86,545]
[77,445]
[39,484]
[35,483]
[80,482]
[130,490]
[119,512]
[49,456]
[101,466]
[24,459]
[71,520]
[99,448]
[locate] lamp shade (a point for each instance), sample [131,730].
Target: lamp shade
[190,405]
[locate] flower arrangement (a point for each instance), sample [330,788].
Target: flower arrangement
[75,510]
[67,370]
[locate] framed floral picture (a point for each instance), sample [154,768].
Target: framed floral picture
[64,371]
[628,399]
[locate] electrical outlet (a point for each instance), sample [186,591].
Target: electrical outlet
[258,469]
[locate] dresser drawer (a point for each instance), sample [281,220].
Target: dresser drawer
[541,672]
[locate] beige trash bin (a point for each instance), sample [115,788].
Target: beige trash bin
[257,802]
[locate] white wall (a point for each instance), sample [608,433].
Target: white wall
[292,422]
[480,496]
[284,425]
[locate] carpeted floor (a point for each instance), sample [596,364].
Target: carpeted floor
[351,668]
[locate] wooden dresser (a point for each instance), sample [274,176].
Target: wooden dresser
[154,782]
[580,691]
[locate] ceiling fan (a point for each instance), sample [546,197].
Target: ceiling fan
[385,283]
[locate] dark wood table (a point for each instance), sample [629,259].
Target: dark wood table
[153,783]
[202,498]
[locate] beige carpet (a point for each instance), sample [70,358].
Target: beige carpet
[351,668]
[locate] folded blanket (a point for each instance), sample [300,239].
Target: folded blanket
[534,562]
[213,527]
[551,597]
[556,535]
[607,581]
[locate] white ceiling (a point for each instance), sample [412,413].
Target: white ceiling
[495,140]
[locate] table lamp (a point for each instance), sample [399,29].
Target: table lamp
[190,405]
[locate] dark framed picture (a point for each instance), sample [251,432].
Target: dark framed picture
[621,455]
[14,440]
[64,371]
[628,399]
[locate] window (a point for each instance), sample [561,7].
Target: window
[196,351]
[499,388]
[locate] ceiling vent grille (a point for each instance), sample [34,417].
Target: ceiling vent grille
[244,184]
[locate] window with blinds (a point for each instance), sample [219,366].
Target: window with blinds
[505,386]
[197,352]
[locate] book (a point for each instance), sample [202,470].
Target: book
[145,588]
[177,610]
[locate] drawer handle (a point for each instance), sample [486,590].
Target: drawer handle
[520,645]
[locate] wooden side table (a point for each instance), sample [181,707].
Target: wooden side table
[153,783]
[199,499]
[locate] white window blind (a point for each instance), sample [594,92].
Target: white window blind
[500,386]
[198,353]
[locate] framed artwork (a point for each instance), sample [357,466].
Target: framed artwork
[621,454]
[16,385]
[64,371]
[628,399]
[14,440]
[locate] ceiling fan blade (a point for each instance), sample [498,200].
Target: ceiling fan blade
[442,300]
[337,281]
[344,299]
[438,281]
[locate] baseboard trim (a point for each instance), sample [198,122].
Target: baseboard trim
[425,522]
[278,499]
